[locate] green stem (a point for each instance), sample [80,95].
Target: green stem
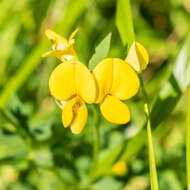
[188,141]
[152,163]
[96,135]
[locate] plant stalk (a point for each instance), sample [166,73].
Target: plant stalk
[96,143]
[152,163]
[188,140]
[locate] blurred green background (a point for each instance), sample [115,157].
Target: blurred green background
[36,151]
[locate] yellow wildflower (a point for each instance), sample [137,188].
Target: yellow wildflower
[138,57]
[116,81]
[62,48]
[72,83]
[120,168]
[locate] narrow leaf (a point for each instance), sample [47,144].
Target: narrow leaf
[188,140]
[152,163]
[124,22]
[101,52]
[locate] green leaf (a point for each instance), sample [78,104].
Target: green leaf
[188,140]
[101,52]
[152,163]
[124,22]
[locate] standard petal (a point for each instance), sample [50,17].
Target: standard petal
[56,53]
[56,38]
[67,111]
[125,80]
[62,81]
[103,73]
[85,83]
[80,119]
[71,37]
[114,110]
[138,57]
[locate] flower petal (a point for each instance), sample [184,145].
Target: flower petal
[114,110]
[125,80]
[137,57]
[80,119]
[103,73]
[63,55]
[71,37]
[56,38]
[62,81]
[85,83]
[67,111]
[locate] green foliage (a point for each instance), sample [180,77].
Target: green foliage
[36,152]
[124,22]
[101,52]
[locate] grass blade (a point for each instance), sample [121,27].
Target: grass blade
[124,22]
[188,141]
[152,162]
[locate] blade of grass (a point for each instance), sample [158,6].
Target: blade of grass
[125,26]
[124,22]
[152,163]
[188,141]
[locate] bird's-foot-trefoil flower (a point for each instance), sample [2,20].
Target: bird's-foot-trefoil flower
[116,81]
[72,83]
[137,57]
[62,48]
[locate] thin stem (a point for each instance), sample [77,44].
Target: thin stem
[188,141]
[152,163]
[96,135]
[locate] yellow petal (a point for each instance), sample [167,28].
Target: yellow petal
[125,80]
[63,55]
[80,119]
[62,81]
[85,83]
[103,73]
[67,111]
[138,57]
[114,110]
[55,38]
[56,53]
[71,37]
[120,168]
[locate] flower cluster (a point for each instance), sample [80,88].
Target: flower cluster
[112,81]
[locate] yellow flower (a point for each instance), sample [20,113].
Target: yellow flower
[62,48]
[72,83]
[120,168]
[116,81]
[137,57]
